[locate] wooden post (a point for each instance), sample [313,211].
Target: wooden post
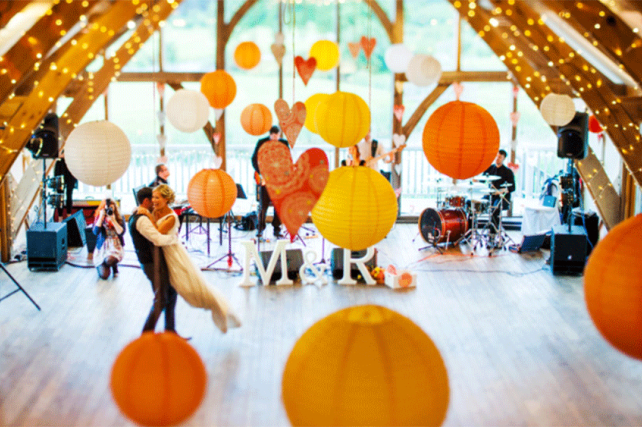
[222,36]
[5,222]
[161,100]
[397,126]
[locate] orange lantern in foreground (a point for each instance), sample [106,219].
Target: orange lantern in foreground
[613,286]
[219,88]
[211,193]
[247,55]
[256,119]
[461,139]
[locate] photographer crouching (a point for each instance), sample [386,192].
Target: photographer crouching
[109,228]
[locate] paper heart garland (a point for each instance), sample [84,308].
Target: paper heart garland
[291,120]
[305,68]
[216,136]
[218,112]
[399,87]
[293,188]
[217,161]
[514,117]
[458,88]
[354,49]
[278,50]
[368,45]
[398,111]
[279,38]
[398,140]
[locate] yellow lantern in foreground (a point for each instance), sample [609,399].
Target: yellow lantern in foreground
[326,53]
[357,209]
[365,365]
[343,119]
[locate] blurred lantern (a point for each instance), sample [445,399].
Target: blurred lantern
[397,58]
[354,197]
[461,139]
[423,70]
[613,286]
[594,125]
[343,119]
[557,110]
[219,88]
[326,53]
[365,365]
[158,380]
[97,153]
[247,55]
[256,119]
[311,105]
[211,193]
[188,110]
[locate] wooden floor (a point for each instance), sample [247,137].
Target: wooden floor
[518,344]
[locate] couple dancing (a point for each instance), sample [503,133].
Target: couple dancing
[155,224]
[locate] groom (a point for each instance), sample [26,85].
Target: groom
[147,240]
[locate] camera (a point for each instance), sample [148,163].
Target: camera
[108,209]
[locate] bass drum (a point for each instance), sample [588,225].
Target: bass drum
[437,226]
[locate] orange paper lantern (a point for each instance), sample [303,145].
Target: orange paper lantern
[461,139]
[219,88]
[158,380]
[613,286]
[211,193]
[256,119]
[247,55]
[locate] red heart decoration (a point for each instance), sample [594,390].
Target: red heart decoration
[368,45]
[305,68]
[293,188]
[291,120]
[398,111]
[354,49]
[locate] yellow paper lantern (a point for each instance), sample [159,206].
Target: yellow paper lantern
[365,365]
[311,105]
[219,88]
[158,380]
[326,53]
[211,193]
[256,119]
[343,119]
[247,55]
[357,209]
[461,139]
[613,286]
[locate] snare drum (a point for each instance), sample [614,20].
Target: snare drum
[456,202]
[440,225]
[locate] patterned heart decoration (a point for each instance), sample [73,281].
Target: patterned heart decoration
[278,50]
[354,49]
[293,188]
[216,136]
[305,68]
[398,111]
[291,120]
[368,45]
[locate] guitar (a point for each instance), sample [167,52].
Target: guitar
[374,160]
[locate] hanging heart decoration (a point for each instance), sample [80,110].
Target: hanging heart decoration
[354,49]
[458,88]
[278,50]
[368,45]
[398,140]
[160,87]
[293,188]
[217,161]
[514,117]
[399,87]
[291,120]
[216,136]
[398,111]
[305,68]
[218,112]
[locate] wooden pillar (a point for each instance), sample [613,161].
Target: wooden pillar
[221,41]
[161,100]
[5,223]
[627,194]
[397,127]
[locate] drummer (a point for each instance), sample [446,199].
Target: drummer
[503,187]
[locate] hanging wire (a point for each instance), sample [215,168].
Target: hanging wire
[293,50]
[369,58]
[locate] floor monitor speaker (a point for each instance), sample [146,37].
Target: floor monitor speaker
[47,247]
[336,263]
[568,249]
[294,263]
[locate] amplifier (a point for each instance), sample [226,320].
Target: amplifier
[568,249]
[294,262]
[336,263]
[47,247]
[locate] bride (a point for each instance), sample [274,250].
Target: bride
[184,276]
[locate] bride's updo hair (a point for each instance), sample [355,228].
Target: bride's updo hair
[166,193]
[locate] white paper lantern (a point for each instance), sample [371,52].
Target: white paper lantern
[98,153]
[423,70]
[557,110]
[188,110]
[397,58]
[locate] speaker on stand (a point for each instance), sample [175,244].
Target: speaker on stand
[572,139]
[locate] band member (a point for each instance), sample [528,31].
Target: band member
[264,197]
[503,187]
[162,173]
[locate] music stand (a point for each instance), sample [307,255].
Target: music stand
[20,288]
[229,255]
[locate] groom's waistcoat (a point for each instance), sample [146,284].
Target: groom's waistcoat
[144,248]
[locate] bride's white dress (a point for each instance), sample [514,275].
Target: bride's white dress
[189,282]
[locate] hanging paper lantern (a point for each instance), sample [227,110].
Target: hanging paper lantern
[594,124]
[354,197]
[211,193]
[247,55]
[461,139]
[557,110]
[256,119]
[365,365]
[423,70]
[219,88]
[326,53]
[343,119]
[158,380]
[397,58]
[613,286]
[311,105]
[97,153]
[188,110]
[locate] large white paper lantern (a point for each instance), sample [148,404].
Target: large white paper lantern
[188,110]
[557,110]
[423,70]
[397,58]
[98,153]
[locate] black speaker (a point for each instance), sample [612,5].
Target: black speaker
[572,139]
[44,142]
[592,222]
[47,247]
[294,263]
[568,250]
[76,230]
[336,263]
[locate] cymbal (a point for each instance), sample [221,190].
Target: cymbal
[486,177]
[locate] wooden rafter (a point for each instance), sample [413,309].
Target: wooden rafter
[240,13]
[423,107]
[9,9]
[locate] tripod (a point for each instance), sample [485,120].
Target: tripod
[20,288]
[229,255]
